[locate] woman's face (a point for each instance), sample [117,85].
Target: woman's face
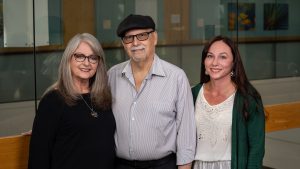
[81,67]
[219,61]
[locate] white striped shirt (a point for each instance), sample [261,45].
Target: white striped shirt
[157,120]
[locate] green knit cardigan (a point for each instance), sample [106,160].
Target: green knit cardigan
[248,137]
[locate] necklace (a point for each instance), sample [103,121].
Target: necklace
[93,112]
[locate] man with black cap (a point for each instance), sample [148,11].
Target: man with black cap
[152,103]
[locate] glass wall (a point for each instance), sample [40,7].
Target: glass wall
[34,33]
[33,38]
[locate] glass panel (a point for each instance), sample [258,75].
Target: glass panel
[17,66]
[55,22]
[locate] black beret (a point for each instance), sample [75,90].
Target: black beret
[135,22]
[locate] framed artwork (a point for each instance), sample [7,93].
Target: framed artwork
[276,16]
[241,16]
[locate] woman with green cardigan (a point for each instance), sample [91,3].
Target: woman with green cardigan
[228,110]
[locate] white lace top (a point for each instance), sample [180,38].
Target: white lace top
[213,129]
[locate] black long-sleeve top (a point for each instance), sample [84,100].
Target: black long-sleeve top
[69,137]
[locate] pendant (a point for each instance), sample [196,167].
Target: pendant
[94,114]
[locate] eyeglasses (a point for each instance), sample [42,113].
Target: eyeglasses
[79,57]
[141,37]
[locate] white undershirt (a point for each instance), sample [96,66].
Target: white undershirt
[213,129]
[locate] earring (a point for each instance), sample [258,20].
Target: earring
[206,73]
[231,74]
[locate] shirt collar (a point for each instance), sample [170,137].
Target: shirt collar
[156,69]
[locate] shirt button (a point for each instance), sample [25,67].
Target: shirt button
[132,118]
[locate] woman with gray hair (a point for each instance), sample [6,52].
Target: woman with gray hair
[74,125]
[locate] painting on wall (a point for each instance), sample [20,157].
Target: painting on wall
[241,16]
[276,16]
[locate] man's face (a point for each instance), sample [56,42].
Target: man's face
[140,44]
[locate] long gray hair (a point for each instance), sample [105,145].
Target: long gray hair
[99,89]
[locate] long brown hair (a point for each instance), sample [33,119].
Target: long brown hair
[239,77]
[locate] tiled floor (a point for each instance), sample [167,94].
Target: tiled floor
[283,149]
[16,118]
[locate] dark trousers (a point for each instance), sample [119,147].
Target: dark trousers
[168,162]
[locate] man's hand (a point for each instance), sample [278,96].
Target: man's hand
[186,166]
